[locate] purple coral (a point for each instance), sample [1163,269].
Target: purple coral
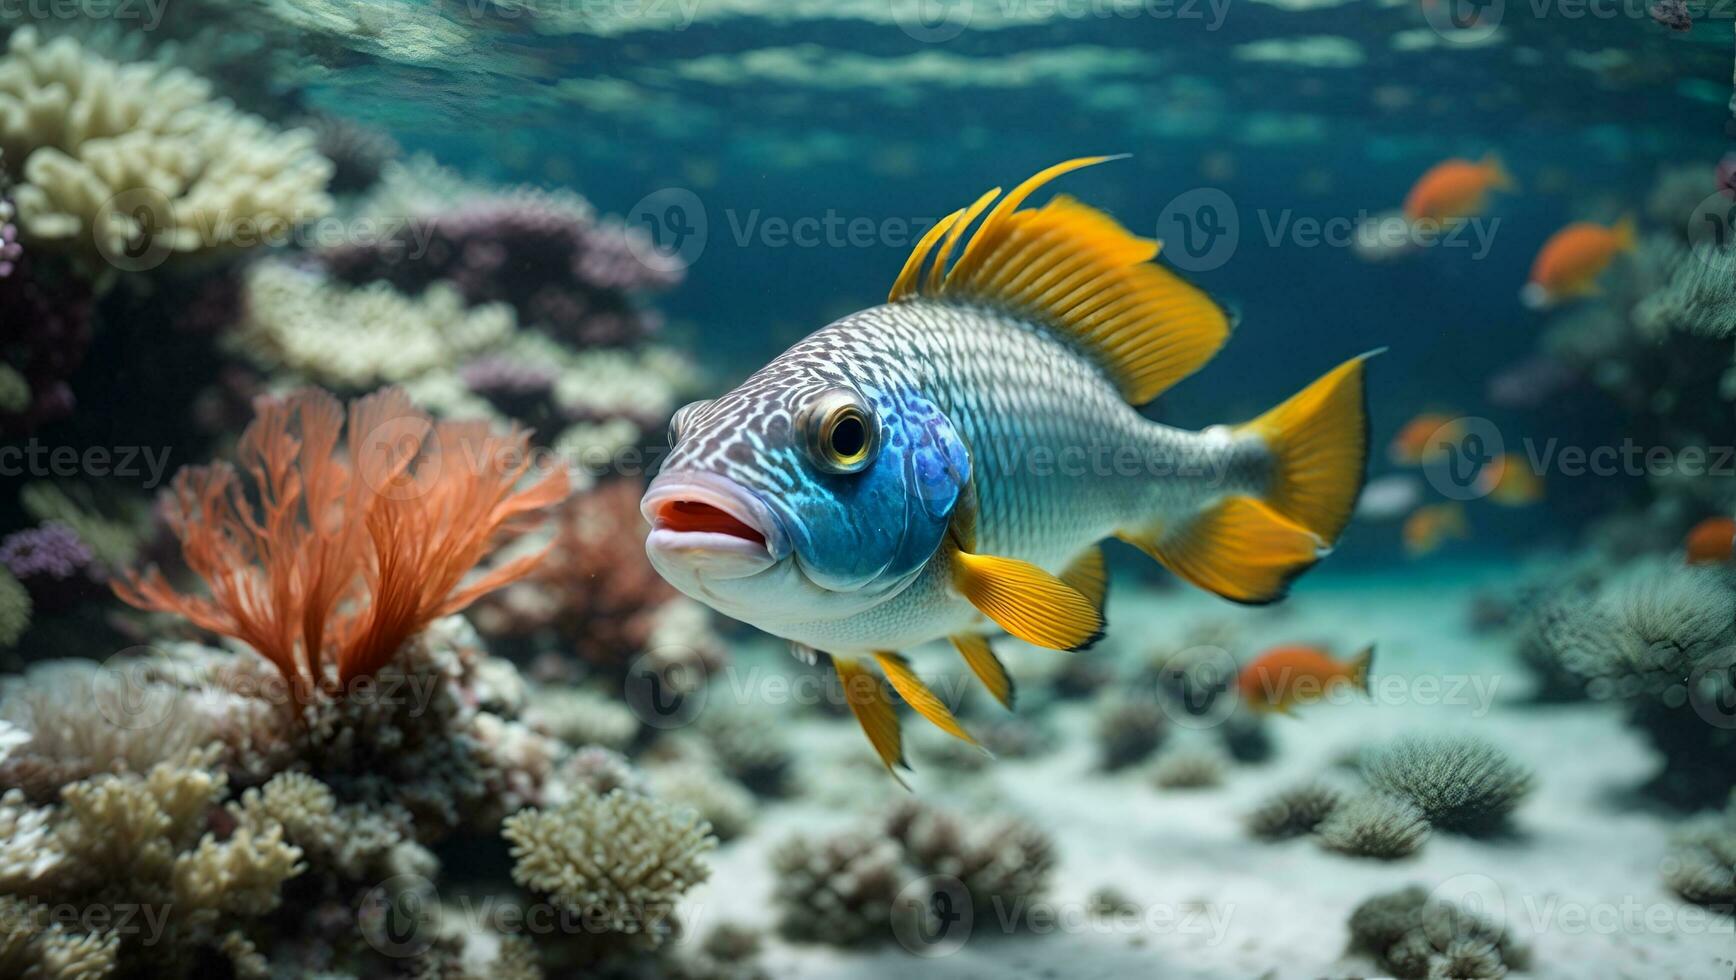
[53,550]
[45,329]
[1673,14]
[560,269]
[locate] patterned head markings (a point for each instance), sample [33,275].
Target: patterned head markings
[872,529]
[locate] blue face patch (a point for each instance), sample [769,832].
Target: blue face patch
[880,525]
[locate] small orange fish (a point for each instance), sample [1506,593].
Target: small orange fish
[1455,189]
[1424,439]
[1570,261]
[1508,481]
[1428,527]
[1711,541]
[1284,677]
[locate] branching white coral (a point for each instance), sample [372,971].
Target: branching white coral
[331,334]
[82,129]
[621,860]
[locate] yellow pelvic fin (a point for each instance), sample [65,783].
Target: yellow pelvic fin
[1027,602]
[1359,667]
[1240,548]
[1077,271]
[1088,575]
[1319,443]
[874,712]
[981,660]
[920,697]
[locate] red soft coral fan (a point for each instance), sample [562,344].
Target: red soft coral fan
[326,562]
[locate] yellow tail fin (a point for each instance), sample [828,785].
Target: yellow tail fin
[1319,441]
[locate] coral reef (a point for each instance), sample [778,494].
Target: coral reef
[582,717]
[298,323]
[723,803]
[15,609]
[1417,937]
[1656,638]
[81,129]
[753,752]
[1375,825]
[358,154]
[559,267]
[1293,811]
[45,332]
[1000,860]
[1461,784]
[1701,866]
[135,842]
[1189,767]
[619,861]
[401,528]
[1129,729]
[840,889]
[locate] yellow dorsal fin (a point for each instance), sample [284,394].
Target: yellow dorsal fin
[874,712]
[1026,601]
[1241,549]
[1075,270]
[1089,576]
[981,659]
[920,698]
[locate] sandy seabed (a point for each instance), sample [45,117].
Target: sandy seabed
[1579,881]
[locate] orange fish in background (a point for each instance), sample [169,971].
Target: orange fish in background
[1455,189]
[1568,264]
[1418,442]
[1285,677]
[1428,527]
[1508,481]
[1711,541]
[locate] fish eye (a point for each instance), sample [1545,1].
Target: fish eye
[840,431]
[683,415]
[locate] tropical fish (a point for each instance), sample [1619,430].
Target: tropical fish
[1456,189]
[1425,439]
[1389,497]
[1509,481]
[1429,527]
[944,465]
[1286,677]
[1711,541]
[1568,264]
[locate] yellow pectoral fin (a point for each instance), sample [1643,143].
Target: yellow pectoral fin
[1027,602]
[1089,575]
[874,712]
[981,659]
[920,698]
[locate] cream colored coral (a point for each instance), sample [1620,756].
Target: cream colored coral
[336,335]
[81,129]
[28,853]
[621,860]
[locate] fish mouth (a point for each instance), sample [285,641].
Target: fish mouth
[711,525]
